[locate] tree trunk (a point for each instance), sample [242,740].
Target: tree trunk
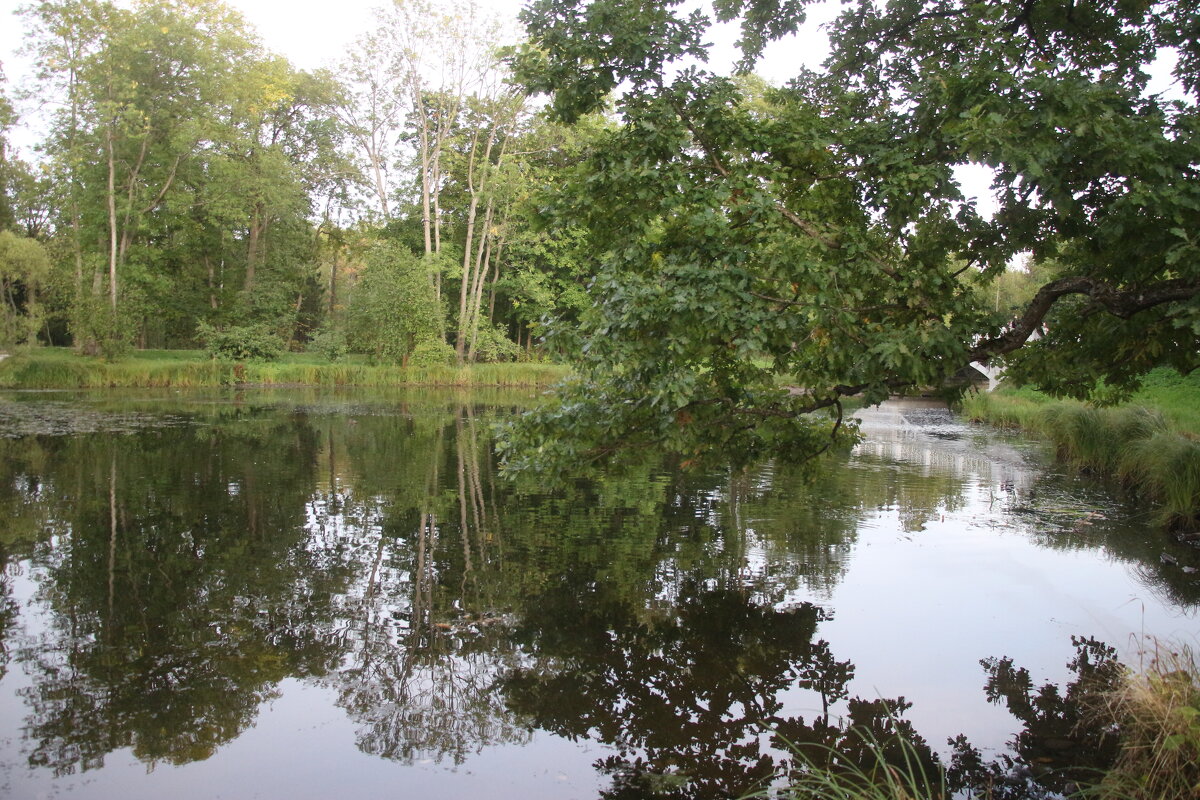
[112,218]
[212,282]
[258,226]
[460,342]
[423,146]
[495,277]
[333,271]
[380,183]
[481,268]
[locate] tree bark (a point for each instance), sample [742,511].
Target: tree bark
[460,342]
[112,218]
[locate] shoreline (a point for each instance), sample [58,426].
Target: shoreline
[50,369]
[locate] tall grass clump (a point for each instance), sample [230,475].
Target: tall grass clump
[1158,714]
[25,371]
[1003,411]
[1136,446]
[1165,469]
[1096,439]
[892,769]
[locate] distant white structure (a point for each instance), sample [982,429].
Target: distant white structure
[993,374]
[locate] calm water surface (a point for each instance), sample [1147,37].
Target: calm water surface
[296,594]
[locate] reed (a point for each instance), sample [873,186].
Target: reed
[891,770]
[1157,711]
[1144,449]
[53,368]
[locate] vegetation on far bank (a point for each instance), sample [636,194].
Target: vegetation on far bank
[60,368]
[1150,444]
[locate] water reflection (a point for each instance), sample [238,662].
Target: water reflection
[180,572]
[1061,744]
[685,691]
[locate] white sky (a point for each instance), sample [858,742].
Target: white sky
[310,37]
[317,33]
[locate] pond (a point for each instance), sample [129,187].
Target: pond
[302,594]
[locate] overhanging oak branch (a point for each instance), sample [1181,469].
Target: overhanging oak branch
[1119,303]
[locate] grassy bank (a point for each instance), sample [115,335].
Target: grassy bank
[1157,714]
[55,368]
[1151,445]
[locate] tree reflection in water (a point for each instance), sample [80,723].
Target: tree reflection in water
[183,572]
[177,586]
[1065,740]
[685,692]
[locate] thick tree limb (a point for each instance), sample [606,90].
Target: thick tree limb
[1120,303]
[1105,297]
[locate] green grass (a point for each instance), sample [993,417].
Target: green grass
[60,368]
[1150,445]
[888,769]
[1175,396]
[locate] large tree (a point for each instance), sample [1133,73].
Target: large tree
[816,235]
[186,162]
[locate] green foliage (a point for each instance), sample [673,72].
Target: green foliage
[240,342]
[431,353]
[98,329]
[493,345]
[8,171]
[24,266]
[394,306]
[329,342]
[150,171]
[818,231]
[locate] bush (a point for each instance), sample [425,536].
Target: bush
[329,343]
[431,353]
[98,330]
[393,306]
[240,342]
[492,346]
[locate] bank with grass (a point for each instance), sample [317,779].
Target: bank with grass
[62,368]
[1150,445]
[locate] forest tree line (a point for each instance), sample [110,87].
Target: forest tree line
[192,188]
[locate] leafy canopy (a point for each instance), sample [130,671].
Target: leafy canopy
[816,236]
[394,307]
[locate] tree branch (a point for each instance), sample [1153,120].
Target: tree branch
[1121,304]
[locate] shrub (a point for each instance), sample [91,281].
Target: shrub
[98,330]
[491,346]
[394,306]
[431,353]
[240,342]
[329,343]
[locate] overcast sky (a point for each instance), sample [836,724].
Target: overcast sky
[310,36]
[317,33]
